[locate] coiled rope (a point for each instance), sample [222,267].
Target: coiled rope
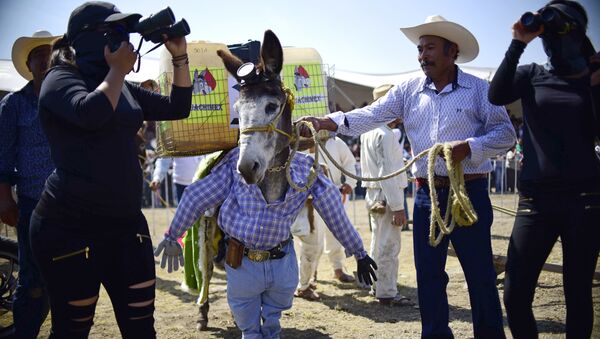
[459,208]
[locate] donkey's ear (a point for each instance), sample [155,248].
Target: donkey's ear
[231,62]
[271,54]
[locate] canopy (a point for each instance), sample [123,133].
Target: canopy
[11,81]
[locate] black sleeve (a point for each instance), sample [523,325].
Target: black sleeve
[65,94]
[158,107]
[595,92]
[509,82]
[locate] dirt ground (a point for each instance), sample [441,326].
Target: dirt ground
[344,311]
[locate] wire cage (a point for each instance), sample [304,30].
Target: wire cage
[213,123]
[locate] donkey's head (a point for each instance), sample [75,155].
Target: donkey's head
[264,113]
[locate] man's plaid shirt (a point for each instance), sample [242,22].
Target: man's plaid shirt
[246,216]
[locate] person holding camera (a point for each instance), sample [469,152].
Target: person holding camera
[560,177]
[88,228]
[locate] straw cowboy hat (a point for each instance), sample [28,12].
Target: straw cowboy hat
[437,25]
[24,45]
[380,91]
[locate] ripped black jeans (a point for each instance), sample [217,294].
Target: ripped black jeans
[76,255]
[541,219]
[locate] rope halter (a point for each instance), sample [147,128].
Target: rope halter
[272,126]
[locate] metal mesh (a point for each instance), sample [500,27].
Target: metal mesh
[213,125]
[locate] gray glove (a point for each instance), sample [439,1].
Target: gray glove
[173,254]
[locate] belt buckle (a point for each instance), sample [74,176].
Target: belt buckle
[258,255]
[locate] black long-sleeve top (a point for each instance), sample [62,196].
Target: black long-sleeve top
[559,123]
[93,145]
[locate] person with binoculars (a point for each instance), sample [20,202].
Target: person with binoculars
[560,181]
[88,228]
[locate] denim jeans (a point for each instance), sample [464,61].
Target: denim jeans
[258,292]
[474,250]
[30,303]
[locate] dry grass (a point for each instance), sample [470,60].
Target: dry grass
[344,312]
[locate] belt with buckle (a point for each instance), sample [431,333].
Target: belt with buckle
[264,255]
[444,182]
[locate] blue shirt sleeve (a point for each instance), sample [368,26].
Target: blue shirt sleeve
[201,195]
[8,138]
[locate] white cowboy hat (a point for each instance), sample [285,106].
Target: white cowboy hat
[438,26]
[381,90]
[24,45]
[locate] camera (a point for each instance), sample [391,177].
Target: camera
[151,29]
[549,17]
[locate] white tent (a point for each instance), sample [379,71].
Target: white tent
[11,81]
[349,89]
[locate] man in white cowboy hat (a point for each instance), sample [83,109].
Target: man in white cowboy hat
[25,162]
[445,105]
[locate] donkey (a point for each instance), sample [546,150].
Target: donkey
[263,102]
[258,205]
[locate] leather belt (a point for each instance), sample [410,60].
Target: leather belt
[444,182]
[264,255]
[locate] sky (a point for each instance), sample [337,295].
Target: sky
[361,36]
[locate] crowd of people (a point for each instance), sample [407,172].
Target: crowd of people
[70,143]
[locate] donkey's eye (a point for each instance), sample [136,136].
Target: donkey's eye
[271,108]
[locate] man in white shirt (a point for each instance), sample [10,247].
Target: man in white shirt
[316,239]
[381,154]
[184,169]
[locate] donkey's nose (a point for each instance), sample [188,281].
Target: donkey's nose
[249,171]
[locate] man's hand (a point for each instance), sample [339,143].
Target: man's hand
[173,254]
[460,150]
[9,213]
[365,270]
[317,123]
[154,185]
[346,189]
[399,218]
[520,33]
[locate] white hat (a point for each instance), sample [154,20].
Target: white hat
[438,26]
[381,90]
[24,45]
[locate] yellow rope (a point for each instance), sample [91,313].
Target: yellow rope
[459,206]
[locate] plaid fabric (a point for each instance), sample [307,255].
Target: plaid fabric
[461,111]
[24,150]
[246,216]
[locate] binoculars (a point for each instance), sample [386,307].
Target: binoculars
[163,22]
[151,29]
[549,17]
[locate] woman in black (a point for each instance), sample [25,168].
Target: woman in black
[88,228]
[560,180]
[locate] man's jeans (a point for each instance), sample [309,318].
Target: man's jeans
[258,292]
[30,306]
[473,248]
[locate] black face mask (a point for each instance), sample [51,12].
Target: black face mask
[564,52]
[89,54]
[564,47]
